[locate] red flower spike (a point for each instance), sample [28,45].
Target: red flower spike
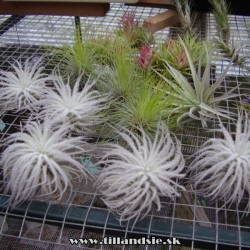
[146,57]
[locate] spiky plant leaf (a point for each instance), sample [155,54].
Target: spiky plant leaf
[196,99]
[136,176]
[41,160]
[221,166]
[21,89]
[81,109]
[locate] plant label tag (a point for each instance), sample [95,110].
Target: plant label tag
[89,165]
[2,125]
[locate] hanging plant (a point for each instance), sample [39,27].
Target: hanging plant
[221,165]
[81,109]
[41,160]
[195,98]
[137,175]
[22,88]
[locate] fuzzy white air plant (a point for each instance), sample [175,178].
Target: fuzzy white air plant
[82,109]
[137,175]
[22,88]
[196,99]
[221,167]
[41,160]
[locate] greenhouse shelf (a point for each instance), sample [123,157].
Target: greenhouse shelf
[43,225]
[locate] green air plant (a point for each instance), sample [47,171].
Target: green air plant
[117,78]
[196,99]
[77,59]
[102,45]
[144,107]
[173,52]
[186,18]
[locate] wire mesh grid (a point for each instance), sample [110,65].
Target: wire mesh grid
[46,225]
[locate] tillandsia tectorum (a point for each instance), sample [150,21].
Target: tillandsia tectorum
[221,166]
[41,160]
[21,89]
[81,109]
[137,175]
[196,100]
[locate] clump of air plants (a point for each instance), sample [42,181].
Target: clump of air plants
[221,166]
[174,53]
[134,33]
[41,161]
[22,88]
[194,98]
[187,19]
[137,175]
[81,109]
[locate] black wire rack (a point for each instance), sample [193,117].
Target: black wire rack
[197,222]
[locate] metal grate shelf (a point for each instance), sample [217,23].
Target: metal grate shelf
[45,225]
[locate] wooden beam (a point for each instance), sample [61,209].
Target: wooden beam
[187,208]
[166,4]
[161,21]
[53,8]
